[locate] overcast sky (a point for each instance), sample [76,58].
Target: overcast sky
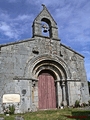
[72,18]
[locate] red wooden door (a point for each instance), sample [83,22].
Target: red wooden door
[46,91]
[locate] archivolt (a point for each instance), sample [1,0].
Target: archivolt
[47,62]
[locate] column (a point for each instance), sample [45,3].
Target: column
[58,96]
[64,94]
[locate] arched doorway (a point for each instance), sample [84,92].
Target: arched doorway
[58,70]
[46,91]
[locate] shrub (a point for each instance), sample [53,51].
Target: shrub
[12,109]
[77,103]
[9,110]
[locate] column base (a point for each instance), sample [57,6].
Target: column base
[65,103]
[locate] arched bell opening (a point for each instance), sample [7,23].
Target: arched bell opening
[46,25]
[45,29]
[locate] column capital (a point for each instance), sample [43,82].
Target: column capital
[57,80]
[63,83]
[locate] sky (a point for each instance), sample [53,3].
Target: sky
[72,18]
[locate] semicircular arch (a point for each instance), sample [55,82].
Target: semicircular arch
[53,63]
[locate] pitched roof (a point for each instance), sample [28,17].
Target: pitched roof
[43,11]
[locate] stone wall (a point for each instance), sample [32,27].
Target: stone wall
[14,59]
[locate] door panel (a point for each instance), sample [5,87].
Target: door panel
[46,91]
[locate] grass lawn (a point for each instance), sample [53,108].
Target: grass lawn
[60,114]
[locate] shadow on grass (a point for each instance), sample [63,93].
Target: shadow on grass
[79,115]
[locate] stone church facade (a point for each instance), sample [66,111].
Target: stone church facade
[41,70]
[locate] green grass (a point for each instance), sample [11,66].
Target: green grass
[59,114]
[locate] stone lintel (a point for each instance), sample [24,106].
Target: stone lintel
[22,78]
[68,80]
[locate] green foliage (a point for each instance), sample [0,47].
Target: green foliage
[9,110]
[77,103]
[12,109]
[59,114]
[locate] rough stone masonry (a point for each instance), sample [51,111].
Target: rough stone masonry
[41,70]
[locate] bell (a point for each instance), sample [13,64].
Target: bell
[45,30]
